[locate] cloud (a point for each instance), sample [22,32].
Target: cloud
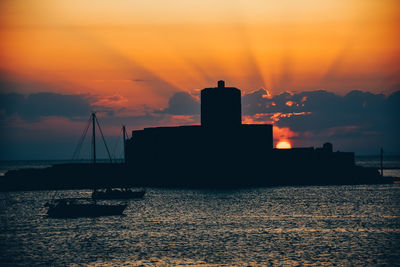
[362,119]
[315,116]
[358,121]
[321,109]
[34,106]
[182,103]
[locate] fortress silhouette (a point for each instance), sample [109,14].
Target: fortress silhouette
[220,153]
[224,152]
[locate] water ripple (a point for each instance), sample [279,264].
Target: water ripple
[291,226]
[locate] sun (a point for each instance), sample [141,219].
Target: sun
[283,145]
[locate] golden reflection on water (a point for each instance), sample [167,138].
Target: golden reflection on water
[154,262]
[282,226]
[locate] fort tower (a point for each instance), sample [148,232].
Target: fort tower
[221,107]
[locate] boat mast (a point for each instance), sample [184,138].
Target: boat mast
[124,140]
[94,137]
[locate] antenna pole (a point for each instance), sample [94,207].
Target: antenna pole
[124,140]
[94,136]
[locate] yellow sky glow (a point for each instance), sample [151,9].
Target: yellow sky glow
[147,50]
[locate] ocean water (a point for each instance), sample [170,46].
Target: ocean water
[310,225]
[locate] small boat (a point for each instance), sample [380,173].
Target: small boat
[118,193]
[69,208]
[122,193]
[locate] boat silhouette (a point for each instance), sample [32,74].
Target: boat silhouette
[118,193]
[71,207]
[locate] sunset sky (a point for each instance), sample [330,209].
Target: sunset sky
[132,61]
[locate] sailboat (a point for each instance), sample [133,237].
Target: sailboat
[121,193]
[72,207]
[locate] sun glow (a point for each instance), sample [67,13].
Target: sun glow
[283,145]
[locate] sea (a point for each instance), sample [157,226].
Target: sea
[276,226]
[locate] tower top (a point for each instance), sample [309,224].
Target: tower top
[221,107]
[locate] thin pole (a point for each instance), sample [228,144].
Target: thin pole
[124,140]
[94,136]
[381,161]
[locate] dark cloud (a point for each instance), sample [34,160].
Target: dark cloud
[358,117]
[313,112]
[358,121]
[182,103]
[319,110]
[38,105]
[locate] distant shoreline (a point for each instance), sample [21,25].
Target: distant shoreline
[105,160]
[103,175]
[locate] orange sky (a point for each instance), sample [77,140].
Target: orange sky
[143,51]
[132,56]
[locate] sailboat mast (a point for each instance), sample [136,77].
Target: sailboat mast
[94,137]
[124,140]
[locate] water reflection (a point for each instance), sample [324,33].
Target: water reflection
[337,225]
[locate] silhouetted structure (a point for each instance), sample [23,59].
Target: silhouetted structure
[224,152]
[221,152]
[70,208]
[212,148]
[221,107]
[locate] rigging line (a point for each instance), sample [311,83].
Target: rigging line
[122,148]
[104,141]
[80,142]
[83,140]
[121,152]
[77,146]
[93,119]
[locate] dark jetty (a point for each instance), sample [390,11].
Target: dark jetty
[220,153]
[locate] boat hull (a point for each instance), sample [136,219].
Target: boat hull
[85,210]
